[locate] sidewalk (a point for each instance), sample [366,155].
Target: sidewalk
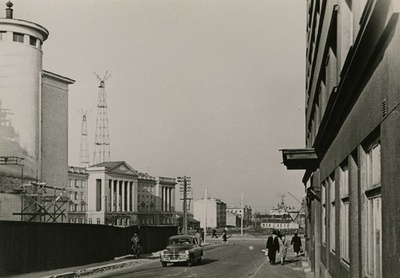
[86,270]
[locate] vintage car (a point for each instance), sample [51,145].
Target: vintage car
[181,249]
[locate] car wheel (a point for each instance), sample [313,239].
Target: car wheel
[190,263]
[164,264]
[199,260]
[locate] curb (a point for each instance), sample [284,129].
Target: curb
[97,269]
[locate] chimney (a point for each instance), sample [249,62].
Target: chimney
[9,10]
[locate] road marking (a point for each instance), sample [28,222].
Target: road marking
[259,268]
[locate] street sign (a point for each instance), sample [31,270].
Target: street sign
[293,214]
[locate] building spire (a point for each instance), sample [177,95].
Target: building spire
[9,10]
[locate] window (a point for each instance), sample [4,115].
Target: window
[374,213]
[98,220]
[3,36]
[374,166]
[32,41]
[323,203]
[90,220]
[344,213]
[17,37]
[374,237]
[332,214]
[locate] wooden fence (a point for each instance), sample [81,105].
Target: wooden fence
[28,247]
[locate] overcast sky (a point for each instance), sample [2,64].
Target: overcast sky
[207,89]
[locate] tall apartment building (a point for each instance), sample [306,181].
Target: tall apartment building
[352,153]
[210,212]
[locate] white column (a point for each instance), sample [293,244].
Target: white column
[165,199]
[173,197]
[128,196]
[117,206]
[123,194]
[169,199]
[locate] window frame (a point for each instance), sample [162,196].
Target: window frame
[344,212]
[373,258]
[18,37]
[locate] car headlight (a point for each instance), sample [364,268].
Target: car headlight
[187,253]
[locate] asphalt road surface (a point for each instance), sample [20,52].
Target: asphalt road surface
[236,260]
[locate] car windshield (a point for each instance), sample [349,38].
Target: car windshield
[180,241]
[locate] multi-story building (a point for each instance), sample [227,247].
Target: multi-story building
[246,211]
[77,192]
[33,114]
[352,155]
[281,222]
[114,193]
[210,212]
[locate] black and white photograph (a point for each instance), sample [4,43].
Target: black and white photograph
[199,138]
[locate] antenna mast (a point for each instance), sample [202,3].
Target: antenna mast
[102,138]
[84,149]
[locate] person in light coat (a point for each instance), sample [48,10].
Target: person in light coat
[283,247]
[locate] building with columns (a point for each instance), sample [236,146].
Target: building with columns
[165,190]
[113,193]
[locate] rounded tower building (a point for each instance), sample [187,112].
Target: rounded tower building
[20,94]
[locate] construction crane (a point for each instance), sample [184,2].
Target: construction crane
[294,197]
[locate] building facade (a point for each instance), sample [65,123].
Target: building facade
[33,122]
[77,192]
[352,153]
[246,211]
[210,212]
[113,193]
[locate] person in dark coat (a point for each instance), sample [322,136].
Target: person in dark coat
[224,238]
[296,242]
[214,234]
[272,247]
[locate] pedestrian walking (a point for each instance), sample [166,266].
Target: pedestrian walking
[198,237]
[214,234]
[225,237]
[272,247]
[296,242]
[283,247]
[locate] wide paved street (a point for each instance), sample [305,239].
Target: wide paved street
[237,259]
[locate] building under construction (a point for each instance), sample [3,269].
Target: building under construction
[33,120]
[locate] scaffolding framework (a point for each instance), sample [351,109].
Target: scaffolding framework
[43,203]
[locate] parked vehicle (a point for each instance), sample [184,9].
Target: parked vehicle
[181,249]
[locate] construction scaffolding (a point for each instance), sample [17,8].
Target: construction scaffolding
[43,203]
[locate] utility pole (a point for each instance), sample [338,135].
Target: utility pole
[241,210]
[205,222]
[185,189]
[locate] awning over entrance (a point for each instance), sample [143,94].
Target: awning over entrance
[300,159]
